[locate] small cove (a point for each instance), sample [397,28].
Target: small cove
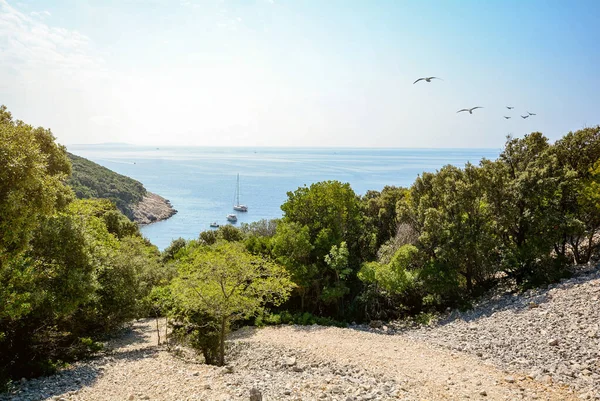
[200,181]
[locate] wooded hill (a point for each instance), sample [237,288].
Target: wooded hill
[91,180]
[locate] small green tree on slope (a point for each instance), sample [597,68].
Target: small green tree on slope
[225,283]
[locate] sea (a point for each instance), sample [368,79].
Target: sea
[201,182]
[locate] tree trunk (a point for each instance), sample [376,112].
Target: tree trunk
[167,331]
[157,329]
[590,248]
[222,342]
[469,282]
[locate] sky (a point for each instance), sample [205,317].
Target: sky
[305,73]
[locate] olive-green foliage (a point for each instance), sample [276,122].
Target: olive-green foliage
[380,216]
[33,169]
[227,232]
[292,248]
[329,213]
[68,269]
[577,157]
[261,228]
[394,277]
[392,288]
[171,251]
[199,330]
[258,236]
[208,237]
[405,235]
[528,214]
[91,180]
[452,214]
[75,280]
[225,283]
[523,190]
[230,233]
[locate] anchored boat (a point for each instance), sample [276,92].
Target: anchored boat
[236,199]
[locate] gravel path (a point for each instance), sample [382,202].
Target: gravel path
[553,334]
[287,363]
[541,345]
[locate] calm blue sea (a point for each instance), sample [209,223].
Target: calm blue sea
[200,182]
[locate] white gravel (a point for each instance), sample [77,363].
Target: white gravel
[541,345]
[551,333]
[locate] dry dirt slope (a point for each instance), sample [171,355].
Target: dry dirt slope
[289,363]
[492,353]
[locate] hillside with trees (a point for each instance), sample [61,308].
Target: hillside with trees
[91,180]
[73,270]
[70,270]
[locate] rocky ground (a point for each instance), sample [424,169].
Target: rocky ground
[541,345]
[553,334]
[152,208]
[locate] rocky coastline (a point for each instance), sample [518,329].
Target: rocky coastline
[153,208]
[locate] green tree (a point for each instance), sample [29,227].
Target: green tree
[523,190]
[33,169]
[226,283]
[577,155]
[330,211]
[450,211]
[230,233]
[170,252]
[395,277]
[338,263]
[291,247]
[380,215]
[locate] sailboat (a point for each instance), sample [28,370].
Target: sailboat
[236,198]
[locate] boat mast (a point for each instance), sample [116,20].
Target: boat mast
[238,189]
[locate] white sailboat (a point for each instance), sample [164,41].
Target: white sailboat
[236,199]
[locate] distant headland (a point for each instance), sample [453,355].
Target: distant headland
[91,180]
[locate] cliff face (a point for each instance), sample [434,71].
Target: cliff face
[152,208]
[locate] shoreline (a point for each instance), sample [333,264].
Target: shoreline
[152,209]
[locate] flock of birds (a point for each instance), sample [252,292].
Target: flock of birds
[428,79]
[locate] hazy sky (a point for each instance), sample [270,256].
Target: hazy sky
[300,73]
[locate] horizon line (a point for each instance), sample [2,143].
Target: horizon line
[273,147]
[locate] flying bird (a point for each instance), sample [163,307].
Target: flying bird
[531,114]
[524,117]
[470,110]
[506,117]
[427,79]
[510,107]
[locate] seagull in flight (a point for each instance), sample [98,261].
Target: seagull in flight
[471,109]
[510,107]
[524,117]
[506,117]
[531,114]
[427,79]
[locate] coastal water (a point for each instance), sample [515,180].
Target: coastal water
[201,182]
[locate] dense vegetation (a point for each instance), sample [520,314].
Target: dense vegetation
[91,180]
[71,270]
[525,217]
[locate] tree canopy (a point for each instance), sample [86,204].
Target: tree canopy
[225,283]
